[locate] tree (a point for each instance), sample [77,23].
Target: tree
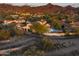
[39,28]
[47,18]
[2,15]
[9,17]
[33,19]
[57,24]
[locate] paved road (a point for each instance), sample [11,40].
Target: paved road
[24,42]
[16,45]
[7,51]
[18,42]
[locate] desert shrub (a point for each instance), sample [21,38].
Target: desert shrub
[46,44]
[18,32]
[4,35]
[33,51]
[76,31]
[67,33]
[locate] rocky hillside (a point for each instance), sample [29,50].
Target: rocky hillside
[49,8]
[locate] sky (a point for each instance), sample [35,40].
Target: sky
[40,4]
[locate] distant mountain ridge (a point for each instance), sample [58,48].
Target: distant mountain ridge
[49,8]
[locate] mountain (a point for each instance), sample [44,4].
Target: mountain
[49,8]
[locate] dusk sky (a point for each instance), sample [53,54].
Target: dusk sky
[39,4]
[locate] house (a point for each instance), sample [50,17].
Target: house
[13,21]
[6,22]
[27,27]
[14,16]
